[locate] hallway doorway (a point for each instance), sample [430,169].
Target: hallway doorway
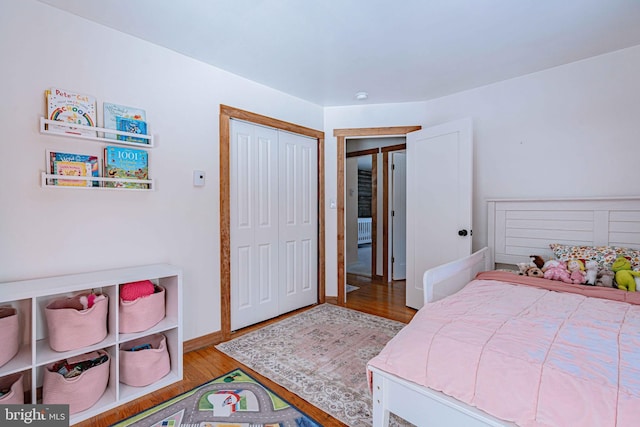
[369,243]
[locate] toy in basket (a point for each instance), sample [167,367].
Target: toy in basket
[77,381]
[9,334]
[142,306]
[144,361]
[77,322]
[11,390]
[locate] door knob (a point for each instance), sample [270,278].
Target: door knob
[462,232]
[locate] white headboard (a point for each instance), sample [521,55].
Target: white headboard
[521,227]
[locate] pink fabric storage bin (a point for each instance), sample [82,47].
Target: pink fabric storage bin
[80,392]
[72,327]
[9,334]
[15,396]
[142,313]
[143,367]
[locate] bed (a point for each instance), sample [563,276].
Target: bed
[491,348]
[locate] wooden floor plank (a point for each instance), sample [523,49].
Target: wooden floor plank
[200,366]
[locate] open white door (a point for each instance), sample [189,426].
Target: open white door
[439,197]
[399,216]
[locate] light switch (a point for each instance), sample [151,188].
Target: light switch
[198,178]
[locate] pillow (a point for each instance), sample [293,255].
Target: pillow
[603,255]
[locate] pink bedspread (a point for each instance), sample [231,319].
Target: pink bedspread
[524,354]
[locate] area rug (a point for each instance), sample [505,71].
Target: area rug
[351,288]
[233,400]
[321,355]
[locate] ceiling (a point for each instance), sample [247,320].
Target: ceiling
[325,51]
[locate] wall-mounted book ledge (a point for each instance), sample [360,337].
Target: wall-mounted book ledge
[94,133]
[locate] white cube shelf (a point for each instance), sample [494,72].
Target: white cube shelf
[30,297]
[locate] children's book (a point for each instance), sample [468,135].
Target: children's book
[132,126]
[72,108]
[112,111]
[73,164]
[71,169]
[126,163]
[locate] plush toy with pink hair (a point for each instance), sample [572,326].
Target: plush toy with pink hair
[576,269]
[556,270]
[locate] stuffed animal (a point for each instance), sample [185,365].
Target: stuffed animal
[88,301]
[625,277]
[576,270]
[591,272]
[556,270]
[534,272]
[522,268]
[537,261]
[605,278]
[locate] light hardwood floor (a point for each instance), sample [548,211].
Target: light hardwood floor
[205,364]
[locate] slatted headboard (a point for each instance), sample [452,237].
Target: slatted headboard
[522,227]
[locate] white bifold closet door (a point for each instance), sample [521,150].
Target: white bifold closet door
[274,222]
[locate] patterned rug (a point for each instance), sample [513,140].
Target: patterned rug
[321,355]
[232,400]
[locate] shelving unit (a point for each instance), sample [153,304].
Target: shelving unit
[44,129]
[30,297]
[45,178]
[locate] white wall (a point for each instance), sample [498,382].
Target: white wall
[55,231]
[570,131]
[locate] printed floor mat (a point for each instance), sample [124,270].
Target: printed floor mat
[232,400]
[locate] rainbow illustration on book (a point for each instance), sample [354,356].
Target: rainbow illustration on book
[72,108]
[76,116]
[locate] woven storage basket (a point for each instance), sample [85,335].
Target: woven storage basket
[16,390]
[70,327]
[143,367]
[142,313]
[9,334]
[80,392]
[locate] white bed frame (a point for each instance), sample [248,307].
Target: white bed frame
[516,229]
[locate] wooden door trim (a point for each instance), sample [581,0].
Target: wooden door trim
[397,147]
[341,136]
[363,152]
[226,114]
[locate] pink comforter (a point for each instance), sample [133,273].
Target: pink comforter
[524,354]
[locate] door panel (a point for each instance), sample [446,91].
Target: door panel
[253,223]
[399,218]
[439,184]
[274,217]
[298,227]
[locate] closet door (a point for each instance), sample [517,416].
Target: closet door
[298,167]
[254,224]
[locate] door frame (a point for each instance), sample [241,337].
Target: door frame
[341,136]
[226,114]
[374,202]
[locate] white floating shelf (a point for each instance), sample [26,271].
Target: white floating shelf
[45,177]
[72,132]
